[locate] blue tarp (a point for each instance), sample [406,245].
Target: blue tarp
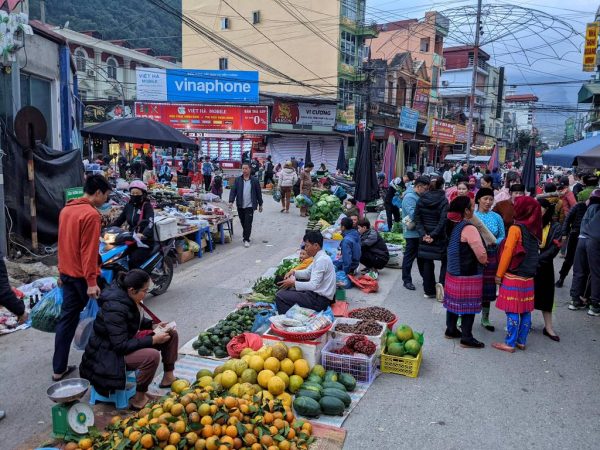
[584,153]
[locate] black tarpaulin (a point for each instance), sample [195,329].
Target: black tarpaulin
[55,171]
[307,156]
[365,177]
[528,176]
[341,162]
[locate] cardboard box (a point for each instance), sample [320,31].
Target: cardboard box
[183,257]
[310,349]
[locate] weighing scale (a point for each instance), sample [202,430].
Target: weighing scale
[70,418]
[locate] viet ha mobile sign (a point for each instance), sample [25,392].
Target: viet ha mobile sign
[181,85]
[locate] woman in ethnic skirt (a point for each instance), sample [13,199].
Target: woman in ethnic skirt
[464,276]
[544,279]
[516,270]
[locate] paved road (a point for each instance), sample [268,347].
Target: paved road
[545,397]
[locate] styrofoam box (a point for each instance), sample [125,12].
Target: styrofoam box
[378,340]
[310,349]
[166,227]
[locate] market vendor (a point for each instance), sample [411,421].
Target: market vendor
[350,209]
[313,287]
[374,253]
[117,346]
[139,215]
[350,248]
[164,173]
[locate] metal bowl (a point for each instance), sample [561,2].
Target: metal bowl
[66,391]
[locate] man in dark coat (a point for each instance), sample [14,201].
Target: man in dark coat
[9,300]
[247,194]
[430,222]
[373,250]
[269,171]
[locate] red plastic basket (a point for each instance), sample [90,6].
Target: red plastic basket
[301,336]
[390,324]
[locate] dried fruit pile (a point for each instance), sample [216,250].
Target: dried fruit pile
[357,343]
[373,313]
[368,327]
[206,418]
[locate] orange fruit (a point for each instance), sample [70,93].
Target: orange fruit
[256,446]
[134,436]
[85,444]
[207,431]
[231,431]
[213,409]
[115,419]
[291,434]
[284,445]
[194,417]
[185,400]
[143,422]
[237,443]
[279,423]
[273,430]
[307,428]
[177,409]
[71,446]
[190,408]
[227,440]
[162,434]
[231,402]
[249,439]
[174,438]
[211,443]
[206,420]
[200,444]
[266,440]
[191,438]
[147,441]
[217,430]
[268,418]
[204,409]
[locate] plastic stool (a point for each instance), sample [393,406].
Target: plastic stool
[204,232]
[119,398]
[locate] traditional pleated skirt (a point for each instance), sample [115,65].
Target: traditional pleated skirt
[462,294]
[489,274]
[516,294]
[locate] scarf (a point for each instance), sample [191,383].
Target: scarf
[529,214]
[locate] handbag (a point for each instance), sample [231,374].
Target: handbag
[155,320]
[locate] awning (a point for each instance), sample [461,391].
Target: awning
[587,92]
[584,153]
[463,157]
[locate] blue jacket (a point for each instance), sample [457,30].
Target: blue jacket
[408,209]
[350,247]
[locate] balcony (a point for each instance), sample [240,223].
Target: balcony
[367,30]
[482,65]
[384,109]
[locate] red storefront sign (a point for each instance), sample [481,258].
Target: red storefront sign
[421,99]
[460,133]
[442,131]
[196,117]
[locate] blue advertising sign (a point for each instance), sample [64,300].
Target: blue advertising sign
[408,119]
[183,85]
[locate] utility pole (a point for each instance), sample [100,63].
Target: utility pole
[473,81]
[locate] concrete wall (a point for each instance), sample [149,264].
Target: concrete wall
[305,47]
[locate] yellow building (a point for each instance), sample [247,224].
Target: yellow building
[300,47]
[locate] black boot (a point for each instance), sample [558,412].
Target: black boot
[559,283]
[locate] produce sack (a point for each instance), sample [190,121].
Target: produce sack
[365,283]
[343,280]
[44,316]
[242,341]
[86,325]
[277,196]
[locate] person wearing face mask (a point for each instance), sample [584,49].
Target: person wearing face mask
[139,216]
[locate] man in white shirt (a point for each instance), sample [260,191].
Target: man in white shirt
[313,287]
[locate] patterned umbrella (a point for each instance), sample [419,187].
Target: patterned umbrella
[389,161]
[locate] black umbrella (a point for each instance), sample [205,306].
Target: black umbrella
[365,177]
[307,157]
[341,162]
[139,130]
[528,177]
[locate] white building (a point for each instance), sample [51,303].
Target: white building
[519,114]
[106,69]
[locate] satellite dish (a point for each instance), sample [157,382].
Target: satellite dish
[30,120]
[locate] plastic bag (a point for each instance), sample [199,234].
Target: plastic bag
[261,321]
[365,283]
[45,315]
[192,245]
[86,325]
[308,201]
[342,279]
[277,196]
[242,341]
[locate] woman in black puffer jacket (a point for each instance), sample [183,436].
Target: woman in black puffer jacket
[430,221]
[115,345]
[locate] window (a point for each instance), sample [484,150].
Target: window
[83,95]
[37,92]
[225,23]
[349,10]
[223,64]
[111,68]
[390,96]
[80,60]
[424,47]
[255,17]
[348,48]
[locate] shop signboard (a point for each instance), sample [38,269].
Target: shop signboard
[460,132]
[346,118]
[442,131]
[290,113]
[73,193]
[591,46]
[421,99]
[101,111]
[187,85]
[408,119]
[195,117]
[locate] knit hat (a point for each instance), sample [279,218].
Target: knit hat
[483,192]
[517,187]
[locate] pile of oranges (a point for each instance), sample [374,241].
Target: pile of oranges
[202,418]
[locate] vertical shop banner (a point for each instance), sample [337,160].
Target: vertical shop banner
[182,85]
[345,119]
[421,98]
[290,113]
[460,132]
[408,119]
[194,117]
[442,131]
[590,47]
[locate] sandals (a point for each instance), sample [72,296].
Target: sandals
[69,370]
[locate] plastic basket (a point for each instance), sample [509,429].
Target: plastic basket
[378,340]
[300,336]
[390,324]
[409,367]
[362,367]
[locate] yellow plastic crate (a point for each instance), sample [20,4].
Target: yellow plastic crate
[409,367]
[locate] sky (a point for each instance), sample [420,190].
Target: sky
[527,56]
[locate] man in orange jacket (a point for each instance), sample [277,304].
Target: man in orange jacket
[78,241]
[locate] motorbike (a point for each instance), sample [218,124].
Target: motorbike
[115,247]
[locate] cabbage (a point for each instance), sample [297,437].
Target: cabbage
[322,204]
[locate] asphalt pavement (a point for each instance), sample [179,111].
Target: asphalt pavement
[543,397]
